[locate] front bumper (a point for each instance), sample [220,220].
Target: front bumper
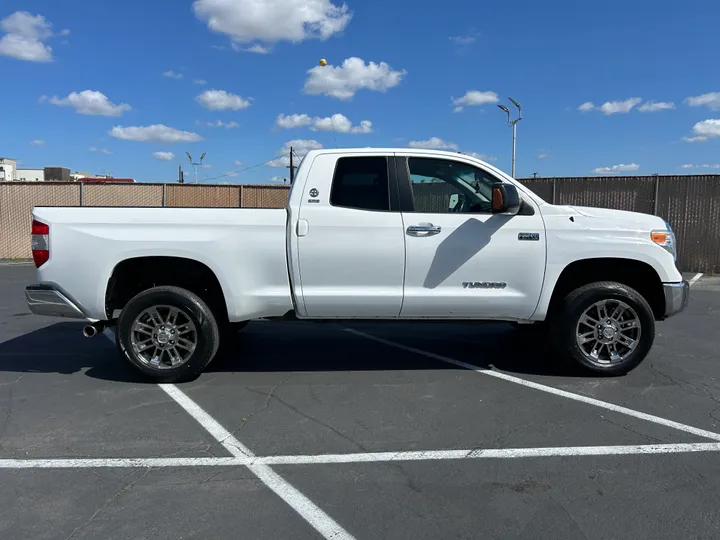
[45,300]
[676,297]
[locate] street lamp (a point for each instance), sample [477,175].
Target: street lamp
[513,123]
[195,165]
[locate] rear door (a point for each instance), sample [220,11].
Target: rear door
[351,243]
[462,261]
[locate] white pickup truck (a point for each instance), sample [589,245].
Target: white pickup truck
[380,234]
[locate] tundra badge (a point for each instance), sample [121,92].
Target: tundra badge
[484,284]
[529,236]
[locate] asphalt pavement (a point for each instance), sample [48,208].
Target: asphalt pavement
[373,431]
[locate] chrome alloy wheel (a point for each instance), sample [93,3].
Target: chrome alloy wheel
[608,332]
[163,337]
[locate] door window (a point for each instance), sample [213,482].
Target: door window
[362,183]
[445,186]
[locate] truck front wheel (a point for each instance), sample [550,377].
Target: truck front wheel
[606,327]
[168,333]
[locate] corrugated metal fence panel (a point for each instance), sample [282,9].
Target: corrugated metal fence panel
[185,195]
[264,196]
[542,187]
[140,195]
[634,193]
[16,203]
[692,207]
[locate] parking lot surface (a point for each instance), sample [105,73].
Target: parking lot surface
[304,430]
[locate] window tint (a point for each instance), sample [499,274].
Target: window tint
[361,182]
[444,186]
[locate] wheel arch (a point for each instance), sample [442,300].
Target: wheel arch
[136,274]
[634,273]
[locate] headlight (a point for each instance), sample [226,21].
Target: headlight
[666,240]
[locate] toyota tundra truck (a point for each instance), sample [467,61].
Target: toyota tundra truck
[367,234]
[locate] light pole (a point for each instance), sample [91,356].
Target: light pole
[513,123]
[195,165]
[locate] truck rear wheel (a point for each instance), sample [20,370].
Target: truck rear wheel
[168,333]
[606,327]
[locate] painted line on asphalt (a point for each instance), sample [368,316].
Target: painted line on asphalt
[548,389]
[695,278]
[308,510]
[365,457]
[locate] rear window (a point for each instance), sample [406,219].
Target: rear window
[362,183]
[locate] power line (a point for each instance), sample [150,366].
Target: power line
[233,173]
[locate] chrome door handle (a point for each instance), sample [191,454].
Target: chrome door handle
[424,230]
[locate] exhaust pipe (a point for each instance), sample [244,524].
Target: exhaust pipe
[91,330]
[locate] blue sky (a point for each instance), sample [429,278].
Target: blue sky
[83,82]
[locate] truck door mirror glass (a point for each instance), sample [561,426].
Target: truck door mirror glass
[505,199]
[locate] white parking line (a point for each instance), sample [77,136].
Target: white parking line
[695,278]
[365,457]
[308,510]
[549,389]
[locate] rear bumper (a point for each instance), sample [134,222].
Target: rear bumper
[676,297]
[45,300]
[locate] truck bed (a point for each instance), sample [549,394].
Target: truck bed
[244,247]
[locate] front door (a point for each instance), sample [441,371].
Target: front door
[462,261]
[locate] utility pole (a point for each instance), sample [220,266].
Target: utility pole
[513,123]
[181,176]
[195,165]
[292,168]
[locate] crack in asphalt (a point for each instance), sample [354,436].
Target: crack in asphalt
[107,503]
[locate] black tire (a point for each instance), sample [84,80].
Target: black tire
[565,327]
[205,336]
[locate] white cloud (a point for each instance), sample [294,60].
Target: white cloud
[336,122]
[201,82]
[238,163]
[37,142]
[25,36]
[710,100]
[245,21]
[65,32]
[164,156]
[703,166]
[232,173]
[543,156]
[474,98]
[220,123]
[694,139]
[587,106]
[101,150]
[220,100]
[256,49]
[278,179]
[300,148]
[654,106]
[705,129]
[207,166]
[463,40]
[433,143]
[617,168]
[91,102]
[172,75]
[342,82]
[483,157]
[615,107]
[154,133]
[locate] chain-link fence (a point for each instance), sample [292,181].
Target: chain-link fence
[690,203]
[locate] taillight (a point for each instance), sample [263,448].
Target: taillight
[40,243]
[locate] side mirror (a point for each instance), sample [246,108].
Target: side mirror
[505,199]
